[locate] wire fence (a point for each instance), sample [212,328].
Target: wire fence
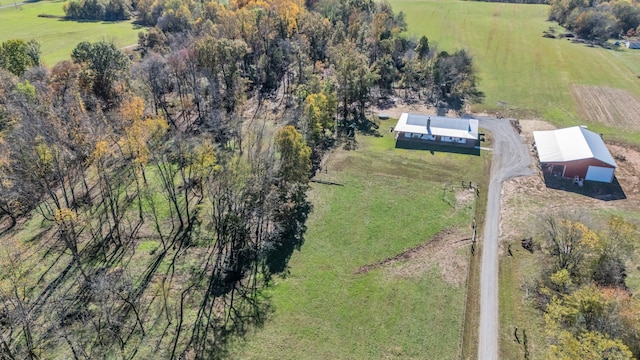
[469,267]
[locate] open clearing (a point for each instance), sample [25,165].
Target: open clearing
[612,107]
[58,37]
[523,198]
[397,218]
[523,74]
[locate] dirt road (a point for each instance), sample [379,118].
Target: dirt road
[511,158]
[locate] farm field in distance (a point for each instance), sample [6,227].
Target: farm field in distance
[58,37]
[524,75]
[339,301]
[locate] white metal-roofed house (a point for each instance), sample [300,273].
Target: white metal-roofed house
[437,130]
[575,151]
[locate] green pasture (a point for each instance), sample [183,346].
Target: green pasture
[58,37]
[522,74]
[391,200]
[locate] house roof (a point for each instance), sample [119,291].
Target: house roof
[569,144]
[438,125]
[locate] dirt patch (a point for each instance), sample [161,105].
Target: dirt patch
[442,250]
[398,107]
[605,105]
[465,197]
[527,128]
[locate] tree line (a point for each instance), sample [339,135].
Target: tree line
[588,310]
[168,187]
[107,10]
[519,1]
[597,20]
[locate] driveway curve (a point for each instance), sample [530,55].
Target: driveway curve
[511,158]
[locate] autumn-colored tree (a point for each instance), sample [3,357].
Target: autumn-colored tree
[569,242]
[69,231]
[588,346]
[629,318]
[176,15]
[104,64]
[455,81]
[65,86]
[354,79]
[592,24]
[155,74]
[134,143]
[153,40]
[17,56]
[317,31]
[295,161]
[589,324]
[615,246]
[221,60]
[319,116]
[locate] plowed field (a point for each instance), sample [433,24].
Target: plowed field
[609,106]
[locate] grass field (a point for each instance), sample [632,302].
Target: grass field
[391,200]
[522,73]
[58,37]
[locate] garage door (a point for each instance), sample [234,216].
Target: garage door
[597,173]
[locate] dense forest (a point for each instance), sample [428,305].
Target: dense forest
[597,20]
[161,190]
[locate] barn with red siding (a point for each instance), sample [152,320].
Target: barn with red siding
[574,152]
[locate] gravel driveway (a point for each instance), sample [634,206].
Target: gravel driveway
[511,158]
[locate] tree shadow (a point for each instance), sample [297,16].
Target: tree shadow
[212,335]
[385,103]
[94,21]
[593,189]
[433,148]
[293,227]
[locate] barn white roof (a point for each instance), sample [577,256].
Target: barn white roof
[569,144]
[438,125]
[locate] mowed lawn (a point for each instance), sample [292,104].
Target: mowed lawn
[391,200]
[522,73]
[59,37]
